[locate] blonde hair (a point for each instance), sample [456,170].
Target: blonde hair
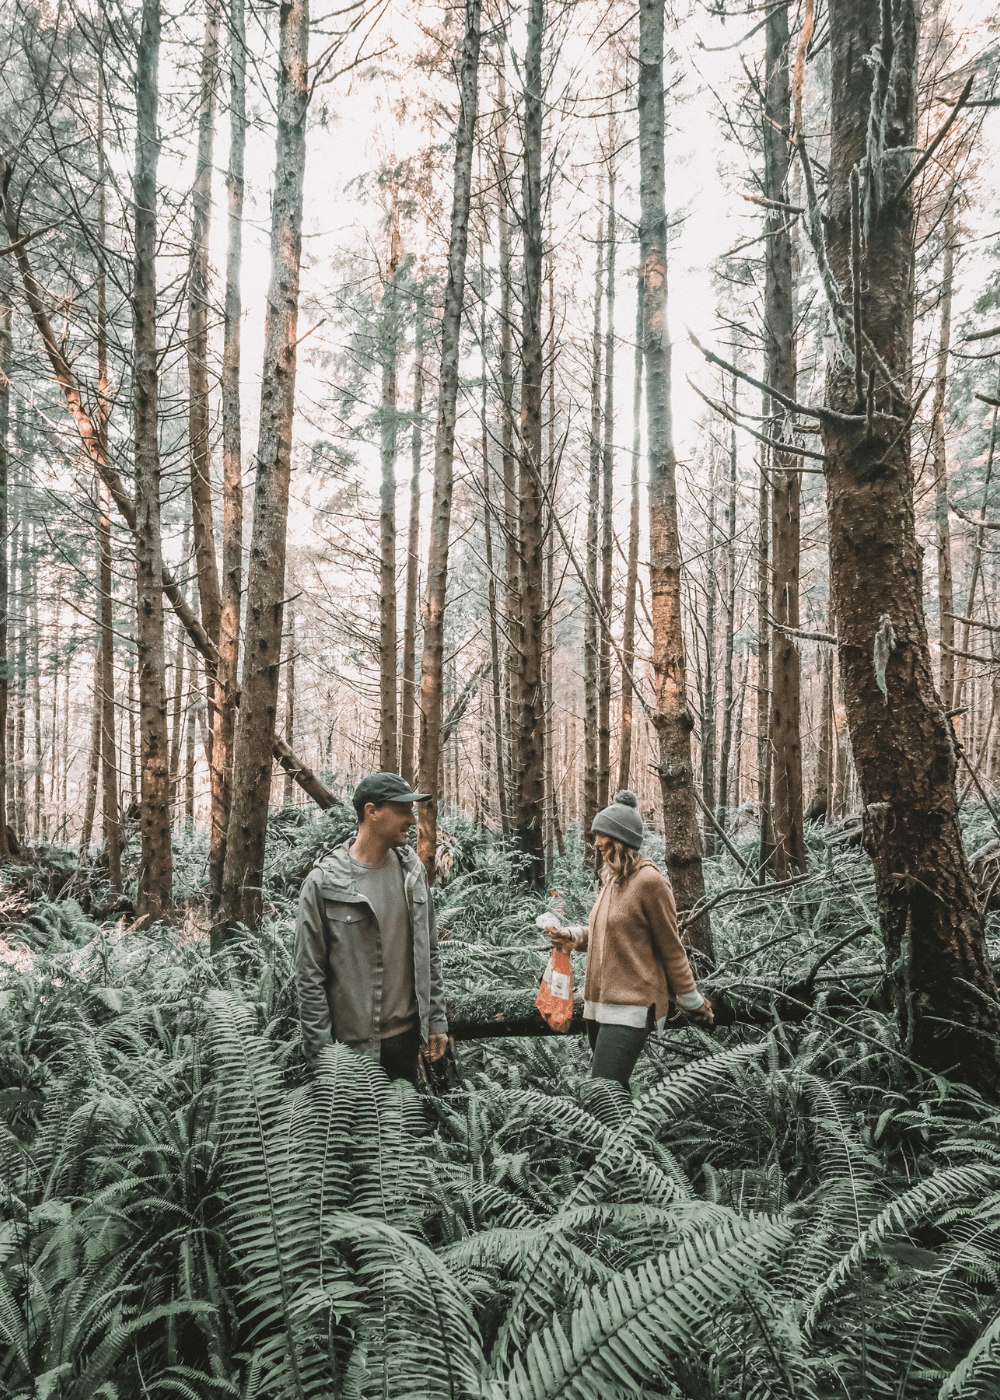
[620,863]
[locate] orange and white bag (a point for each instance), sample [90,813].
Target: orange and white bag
[555,995]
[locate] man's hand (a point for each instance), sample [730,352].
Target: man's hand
[436,1046]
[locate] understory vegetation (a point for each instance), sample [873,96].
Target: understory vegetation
[787,1208]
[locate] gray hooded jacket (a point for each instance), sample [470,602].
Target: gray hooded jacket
[338,956]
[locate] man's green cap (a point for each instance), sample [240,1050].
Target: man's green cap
[387,787]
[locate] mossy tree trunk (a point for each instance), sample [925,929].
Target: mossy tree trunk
[904,751]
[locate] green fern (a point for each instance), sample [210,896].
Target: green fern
[624,1335]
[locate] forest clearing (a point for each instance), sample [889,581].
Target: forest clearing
[568,429]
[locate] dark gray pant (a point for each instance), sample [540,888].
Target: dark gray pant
[616,1050]
[398,1055]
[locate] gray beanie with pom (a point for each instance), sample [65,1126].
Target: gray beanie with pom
[621,820]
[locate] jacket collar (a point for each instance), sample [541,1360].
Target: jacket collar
[338,872]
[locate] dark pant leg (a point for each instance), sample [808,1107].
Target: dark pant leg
[398,1055]
[616,1049]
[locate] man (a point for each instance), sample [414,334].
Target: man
[366,960]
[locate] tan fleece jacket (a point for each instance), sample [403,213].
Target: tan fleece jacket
[635,956]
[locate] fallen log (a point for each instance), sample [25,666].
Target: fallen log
[514,1013]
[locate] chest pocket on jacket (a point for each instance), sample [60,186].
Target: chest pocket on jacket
[347,918]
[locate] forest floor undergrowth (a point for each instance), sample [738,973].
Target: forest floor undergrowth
[787,1209]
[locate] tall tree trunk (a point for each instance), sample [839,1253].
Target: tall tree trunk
[628,621]
[780,371]
[431,677]
[553,828]
[109,751]
[12,656]
[819,807]
[109,748]
[156,868]
[197,339]
[946,599]
[512,545]
[190,754]
[727,665]
[408,699]
[224,719]
[54,773]
[529,727]
[388,674]
[939,970]
[591,625]
[64,786]
[671,714]
[841,775]
[491,587]
[764,670]
[708,755]
[133,773]
[607,503]
[286,795]
[38,754]
[20,723]
[177,712]
[735,793]
[255,728]
[93,763]
[6,324]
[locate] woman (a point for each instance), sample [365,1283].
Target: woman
[635,958]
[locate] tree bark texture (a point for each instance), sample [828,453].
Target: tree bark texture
[156,869]
[286,794]
[21,719]
[388,674]
[819,807]
[431,672]
[764,668]
[109,750]
[726,747]
[607,507]
[553,826]
[231,587]
[93,767]
[512,548]
[946,593]
[176,720]
[529,726]
[6,324]
[631,580]
[780,371]
[904,752]
[491,587]
[671,717]
[591,625]
[408,696]
[708,754]
[255,727]
[199,421]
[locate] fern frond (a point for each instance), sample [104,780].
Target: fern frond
[419,1319]
[622,1337]
[968,1380]
[938,1192]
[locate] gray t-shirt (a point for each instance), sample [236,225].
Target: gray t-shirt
[382,886]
